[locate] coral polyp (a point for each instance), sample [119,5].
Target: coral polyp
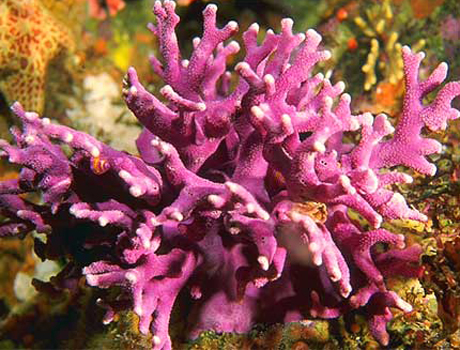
[244,190]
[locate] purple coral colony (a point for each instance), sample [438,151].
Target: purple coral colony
[241,196]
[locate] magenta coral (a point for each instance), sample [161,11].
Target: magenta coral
[241,197]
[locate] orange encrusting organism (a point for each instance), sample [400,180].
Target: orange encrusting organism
[30,37]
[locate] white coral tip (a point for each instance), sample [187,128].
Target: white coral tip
[346,290]
[136,191]
[234,46]
[264,215]
[138,310]
[242,66]
[286,120]
[269,79]
[95,152]
[346,97]
[231,186]
[354,124]
[131,277]
[201,106]
[133,90]
[250,208]
[31,116]
[91,280]
[164,148]
[421,55]
[232,25]
[328,101]
[176,216]
[146,244]
[68,137]
[313,34]
[155,143]
[234,230]
[196,41]
[368,118]
[124,174]
[397,199]
[314,247]
[340,86]
[317,259]
[257,112]
[154,222]
[295,216]
[318,146]
[263,261]
[327,54]
[211,7]
[401,243]
[29,139]
[335,274]
[319,76]
[166,90]
[103,221]
[254,27]
[216,200]
[156,340]
[403,305]
[288,22]
[407,178]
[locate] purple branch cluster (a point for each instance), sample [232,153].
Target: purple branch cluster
[242,192]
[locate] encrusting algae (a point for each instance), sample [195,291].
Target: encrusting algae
[30,37]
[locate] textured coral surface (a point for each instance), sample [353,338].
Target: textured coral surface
[247,190]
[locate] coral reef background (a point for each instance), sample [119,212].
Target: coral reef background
[72,73]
